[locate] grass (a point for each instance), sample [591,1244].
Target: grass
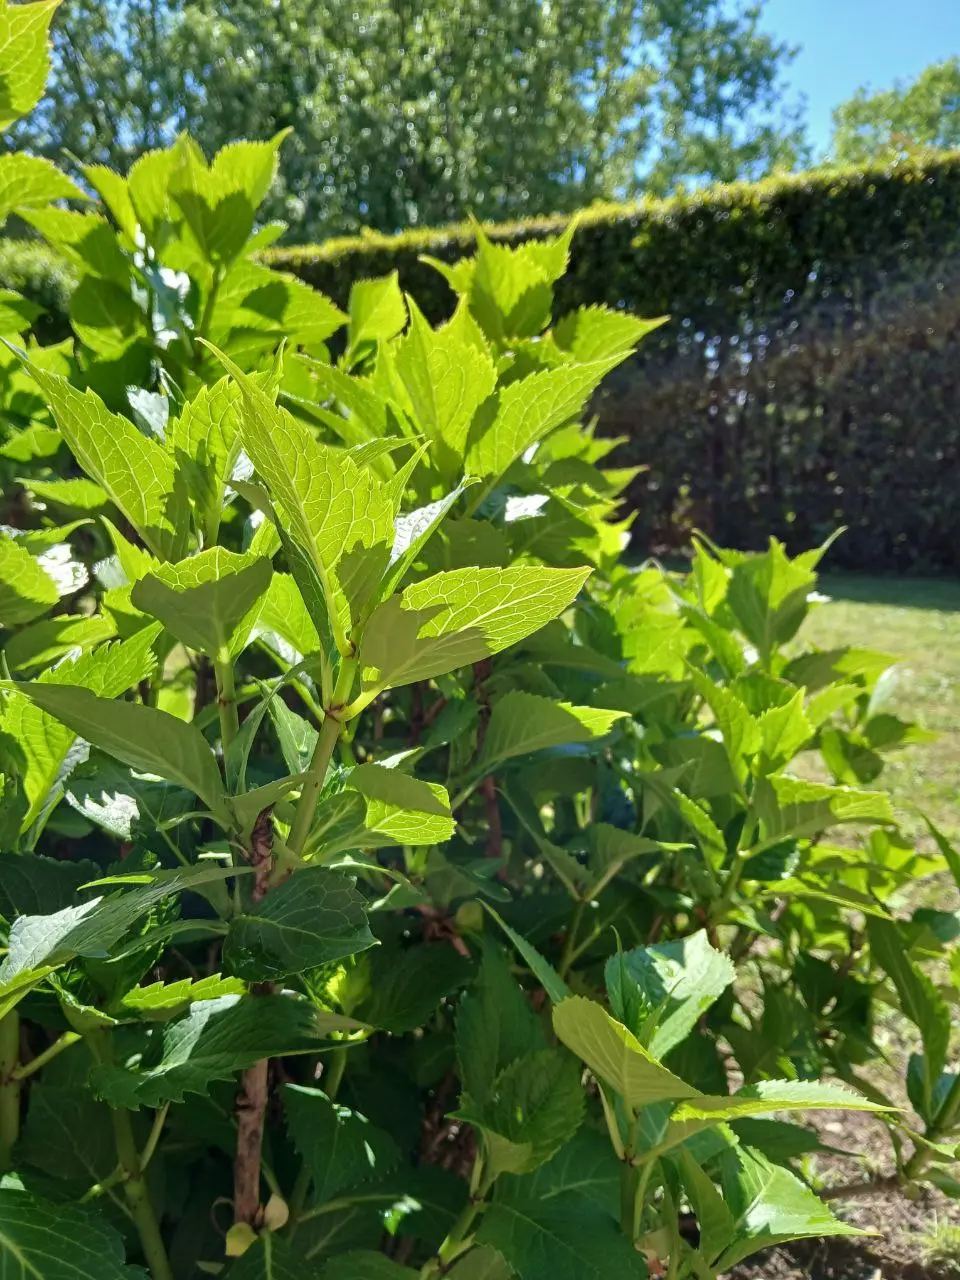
[918,621]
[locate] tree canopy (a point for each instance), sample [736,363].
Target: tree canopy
[917,114]
[409,113]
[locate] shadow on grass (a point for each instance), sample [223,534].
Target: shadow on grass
[941,594]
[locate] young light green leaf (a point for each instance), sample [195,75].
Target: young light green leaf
[920,999]
[660,992]
[331,507]
[770,1205]
[524,722]
[792,807]
[377,313]
[459,617]
[311,918]
[215,1040]
[530,409]
[591,333]
[138,474]
[784,731]
[615,1055]
[44,642]
[31,182]
[381,807]
[145,738]
[26,590]
[762,1099]
[339,1147]
[447,377]
[205,443]
[24,56]
[44,740]
[210,601]
[714,1219]
[162,1001]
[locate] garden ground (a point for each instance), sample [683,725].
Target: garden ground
[918,621]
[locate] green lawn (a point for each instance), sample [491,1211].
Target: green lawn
[919,622]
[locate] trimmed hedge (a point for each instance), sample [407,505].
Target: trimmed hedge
[807,376]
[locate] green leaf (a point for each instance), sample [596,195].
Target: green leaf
[791,807]
[142,737]
[456,618]
[31,885]
[611,848]
[30,182]
[26,590]
[714,1219]
[447,377]
[361,1264]
[329,506]
[770,1205]
[523,722]
[161,1001]
[121,802]
[590,333]
[495,1026]
[768,596]
[24,57]
[761,1099]
[564,1238]
[44,642]
[534,1106]
[77,494]
[615,1055]
[209,602]
[204,441]
[137,473]
[219,201]
[544,972]
[587,1164]
[58,1242]
[271,1258]
[215,1040]
[65,1137]
[377,313]
[339,1147]
[381,807]
[741,733]
[920,999]
[284,612]
[42,739]
[401,991]
[481,1263]
[312,917]
[39,944]
[660,992]
[530,409]
[784,730]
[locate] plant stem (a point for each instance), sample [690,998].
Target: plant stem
[9,1086]
[135,1189]
[323,753]
[723,903]
[569,945]
[27,1069]
[227,703]
[138,1197]
[629,1186]
[210,304]
[251,1112]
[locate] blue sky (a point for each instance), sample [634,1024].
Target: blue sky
[846,43]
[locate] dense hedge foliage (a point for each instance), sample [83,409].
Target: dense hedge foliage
[806,378]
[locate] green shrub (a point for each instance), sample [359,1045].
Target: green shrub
[393,882]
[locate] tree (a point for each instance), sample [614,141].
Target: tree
[893,122]
[408,113]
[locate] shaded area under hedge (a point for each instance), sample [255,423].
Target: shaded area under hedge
[807,377]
